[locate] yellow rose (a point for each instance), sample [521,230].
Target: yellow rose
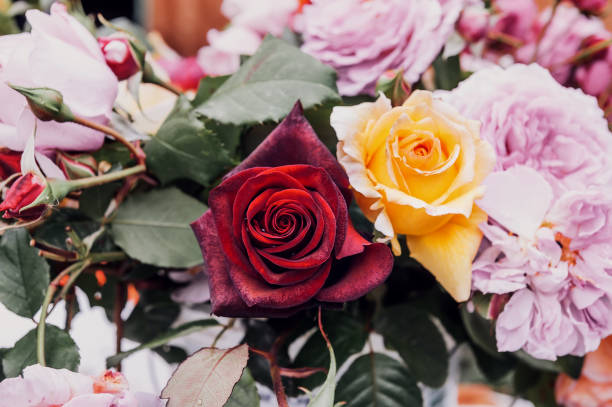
[416,170]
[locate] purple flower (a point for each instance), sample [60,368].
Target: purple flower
[363,39]
[532,120]
[554,256]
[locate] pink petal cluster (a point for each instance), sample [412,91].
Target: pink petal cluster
[250,21]
[556,259]
[379,35]
[531,119]
[46,387]
[59,53]
[548,241]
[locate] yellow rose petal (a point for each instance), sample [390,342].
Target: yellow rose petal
[448,252]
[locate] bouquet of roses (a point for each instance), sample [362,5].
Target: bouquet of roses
[366,202]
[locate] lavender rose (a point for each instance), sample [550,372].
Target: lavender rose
[380,35]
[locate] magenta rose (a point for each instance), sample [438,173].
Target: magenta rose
[278,238]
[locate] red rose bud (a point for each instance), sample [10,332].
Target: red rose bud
[25,190]
[10,162]
[119,57]
[591,6]
[473,23]
[184,73]
[47,104]
[278,237]
[77,166]
[393,85]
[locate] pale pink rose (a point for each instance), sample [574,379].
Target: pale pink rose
[515,18]
[591,6]
[363,39]
[554,255]
[222,55]
[531,119]
[562,40]
[261,16]
[473,22]
[61,54]
[46,387]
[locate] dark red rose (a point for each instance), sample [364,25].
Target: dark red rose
[278,238]
[10,163]
[118,55]
[22,193]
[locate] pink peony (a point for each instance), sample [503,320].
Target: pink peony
[554,255]
[562,40]
[47,387]
[473,22]
[222,55]
[363,39]
[261,16]
[531,119]
[61,54]
[515,18]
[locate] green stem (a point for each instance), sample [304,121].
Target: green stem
[40,339]
[106,178]
[227,326]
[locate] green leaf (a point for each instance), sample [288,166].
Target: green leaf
[24,276]
[167,336]
[267,86]
[347,336]
[187,147]
[493,368]
[376,380]
[153,228]
[2,353]
[153,316]
[325,396]
[539,364]
[571,365]
[416,338]
[93,202]
[448,72]
[208,85]
[244,393]
[481,331]
[60,352]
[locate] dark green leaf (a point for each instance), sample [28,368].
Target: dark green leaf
[448,72]
[480,330]
[418,341]
[24,276]
[376,380]
[153,316]
[114,153]
[492,368]
[539,364]
[94,201]
[244,393]
[347,336]
[208,85]
[571,365]
[153,228]
[60,352]
[171,354]
[162,339]
[185,148]
[2,353]
[267,86]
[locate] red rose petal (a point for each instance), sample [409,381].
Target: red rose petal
[255,291]
[295,142]
[364,272]
[224,297]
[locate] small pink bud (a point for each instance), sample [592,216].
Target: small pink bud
[591,6]
[75,166]
[473,23]
[118,55]
[25,190]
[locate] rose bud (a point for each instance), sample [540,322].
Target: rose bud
[591,6]
[594,72]
[119,56]
[76,166]
[393,85]
[25,190]
[47,104]
[9,162]
[278,237]
[184,73]
[473,23]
